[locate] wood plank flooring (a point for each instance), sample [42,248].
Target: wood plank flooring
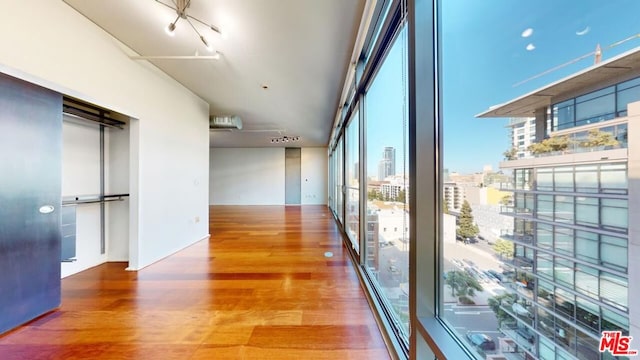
[260,288]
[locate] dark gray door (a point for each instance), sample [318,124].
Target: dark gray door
[30,186]
[292,176]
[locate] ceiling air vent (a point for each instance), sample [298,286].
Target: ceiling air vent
[225,122]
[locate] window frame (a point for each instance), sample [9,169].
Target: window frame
[430,337]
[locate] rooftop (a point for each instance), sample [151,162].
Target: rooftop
[525,106]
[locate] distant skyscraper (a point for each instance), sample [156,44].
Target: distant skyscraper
[522,132]
[387,165]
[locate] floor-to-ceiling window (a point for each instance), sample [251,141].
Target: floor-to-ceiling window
[374,130]
[331,182]
[388,182]
[352,178]
[486,230]
[339,154]
[523,260]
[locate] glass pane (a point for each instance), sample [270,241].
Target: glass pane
[536,254]
[564,241]
[587,246]
[613,290]
[586,178]
[613,177]
[564,209]
[564,179]
[613,213]
[595,110]
[544,179]
[545,207]
[564,116]
[563,271]
[387,251]
[625,97]
[340,180]
[587,281]
[352,169]
[545,236]
[587,211]
[613,252]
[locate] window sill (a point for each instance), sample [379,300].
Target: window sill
[443,344]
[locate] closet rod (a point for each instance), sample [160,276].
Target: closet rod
[84,119]
[94,200]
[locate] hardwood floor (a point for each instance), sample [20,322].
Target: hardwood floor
[260,288]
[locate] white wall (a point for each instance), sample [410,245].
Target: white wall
[256,176]
[246,176]
[117,182]
[59,49]
[81,176]
[315,175]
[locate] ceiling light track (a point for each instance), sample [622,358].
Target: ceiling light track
[284,139]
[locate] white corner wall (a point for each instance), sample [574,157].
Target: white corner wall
[246,176]
[315,174]
[60,49]
[117,182]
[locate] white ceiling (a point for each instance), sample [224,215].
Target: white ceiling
[300,49]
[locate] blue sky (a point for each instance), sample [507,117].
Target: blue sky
[484,54]
[486,50]
[387,118]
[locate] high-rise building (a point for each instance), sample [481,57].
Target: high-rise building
[575,249]
[522,133]
[454,195]
[387,165]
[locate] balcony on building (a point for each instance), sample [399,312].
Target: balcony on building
[581,147]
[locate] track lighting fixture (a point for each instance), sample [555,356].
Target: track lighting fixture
[284,139]
[180,7]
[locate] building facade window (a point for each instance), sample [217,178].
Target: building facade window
[600,105]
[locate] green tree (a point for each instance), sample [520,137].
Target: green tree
[462,284]
[599,138]
[511,154]
[494,303]
[504,248]
[554,143]
[445,206]
[506,200]
[402,195]
[373,194]
[466,226]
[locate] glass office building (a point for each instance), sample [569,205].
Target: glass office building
[569,275]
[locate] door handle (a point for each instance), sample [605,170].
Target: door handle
[46,209]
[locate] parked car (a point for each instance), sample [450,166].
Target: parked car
[496,275]
[482,341]
[457,263]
